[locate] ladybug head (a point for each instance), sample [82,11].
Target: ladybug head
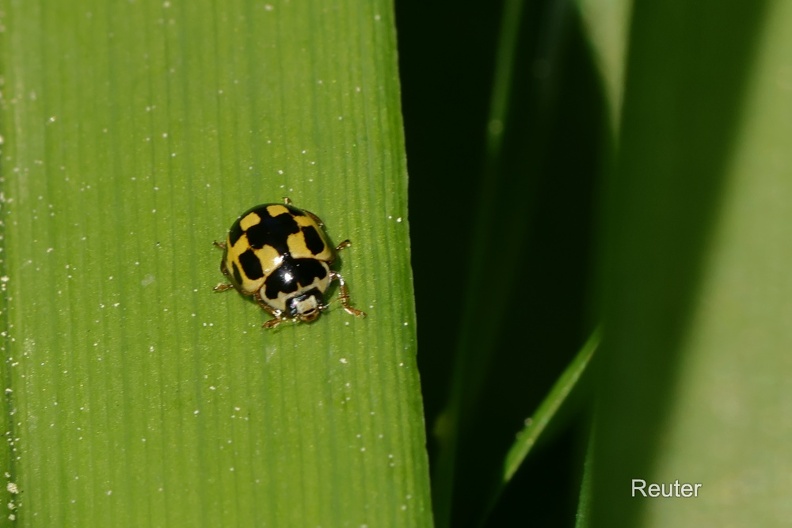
[306,306]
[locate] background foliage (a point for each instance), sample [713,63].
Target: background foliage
[640,179]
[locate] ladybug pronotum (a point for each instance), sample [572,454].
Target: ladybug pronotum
[280,255]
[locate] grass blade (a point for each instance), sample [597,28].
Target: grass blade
[134,134]
[536,425]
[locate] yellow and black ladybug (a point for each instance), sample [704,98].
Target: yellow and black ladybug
[281,256]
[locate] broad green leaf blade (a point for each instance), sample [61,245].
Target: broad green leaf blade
[134,134]
[695,383]
[731,427]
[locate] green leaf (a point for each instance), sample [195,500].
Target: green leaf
[694,381]
[134,134]
[607,25]
[527,228]
[582,518]
[535,425]
[470,365]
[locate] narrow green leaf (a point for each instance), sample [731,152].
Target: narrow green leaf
[538,422]
[134,134]
[583,516]
[534,427]
[524,314]
[461,385]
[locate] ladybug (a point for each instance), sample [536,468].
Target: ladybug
[281,256]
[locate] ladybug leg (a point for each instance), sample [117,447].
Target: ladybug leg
[223,286]
[219,245]
[224,270]
[272,323]
[343,295]
[277,315]
[287,200]
[343,245]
